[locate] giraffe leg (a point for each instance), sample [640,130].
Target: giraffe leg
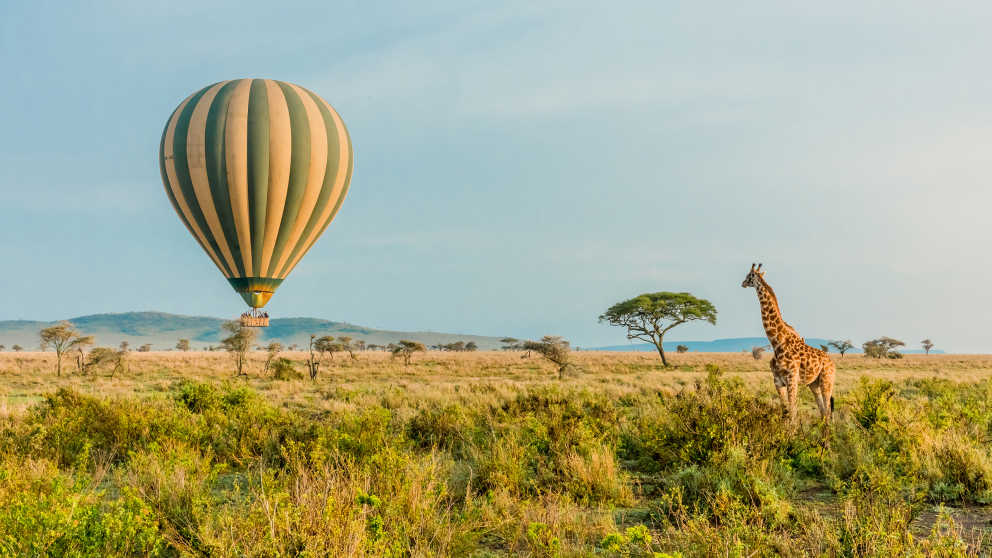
[778,376]
[793,396]
[827,388]
[817,388]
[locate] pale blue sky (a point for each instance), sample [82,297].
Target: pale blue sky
[519,168]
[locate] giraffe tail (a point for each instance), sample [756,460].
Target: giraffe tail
[831,403]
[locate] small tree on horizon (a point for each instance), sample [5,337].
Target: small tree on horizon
[756,352]
[16,348]
[681,349]
[62,337]
[883,347]
[326,345]
[842,346]
[103,355]
[182,345]
[313,363]
[650,316]
[927,345]
[345,344]
[553,348]
[406,348]
[272,351]
[510,344]
[147,347]
[238,343]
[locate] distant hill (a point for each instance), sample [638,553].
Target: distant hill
[733,345]
[162,331]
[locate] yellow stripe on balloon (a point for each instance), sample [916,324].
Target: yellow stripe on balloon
[236,154]
[280,151]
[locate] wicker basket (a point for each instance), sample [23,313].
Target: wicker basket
[253,321]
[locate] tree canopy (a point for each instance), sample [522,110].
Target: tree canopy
[883,347]
[842,346]
[406,349]
[650,316]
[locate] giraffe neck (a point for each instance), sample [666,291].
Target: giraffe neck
[776,329]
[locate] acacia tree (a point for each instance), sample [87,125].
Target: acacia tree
[272,351]
[182,345]
[650,316]
[756,352]
[344,344]
[102,355]
[17,348]
[682,349]
[927,345]
[883,347]
[62,337]
[406,349]
[238,343]
[326,345]
[317,347]
[842,346]
[553,348]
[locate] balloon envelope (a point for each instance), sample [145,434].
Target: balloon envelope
[256,169]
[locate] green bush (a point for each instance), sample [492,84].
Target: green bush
[285,369]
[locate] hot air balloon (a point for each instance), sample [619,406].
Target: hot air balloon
[256,169]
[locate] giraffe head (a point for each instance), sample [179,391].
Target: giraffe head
[754,276]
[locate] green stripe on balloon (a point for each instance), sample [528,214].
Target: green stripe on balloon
[216,164]
[182,174]
[258,167]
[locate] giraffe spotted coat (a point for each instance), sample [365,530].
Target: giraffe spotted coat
[795,363]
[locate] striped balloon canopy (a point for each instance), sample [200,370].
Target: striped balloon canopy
[256,170]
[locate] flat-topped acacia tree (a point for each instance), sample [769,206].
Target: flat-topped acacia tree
[650,316]
[62,337]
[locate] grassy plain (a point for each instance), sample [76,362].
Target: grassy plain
[489,454]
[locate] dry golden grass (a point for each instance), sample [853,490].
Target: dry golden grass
[434,376]
[473,453]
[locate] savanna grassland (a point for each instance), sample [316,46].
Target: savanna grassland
[490,454]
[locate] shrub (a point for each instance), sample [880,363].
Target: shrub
[284,369]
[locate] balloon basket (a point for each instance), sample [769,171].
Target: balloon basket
[254,319]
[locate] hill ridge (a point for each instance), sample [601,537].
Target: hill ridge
[162,330]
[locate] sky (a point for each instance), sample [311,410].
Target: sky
[521,166]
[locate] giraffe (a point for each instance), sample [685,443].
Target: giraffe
[794,360]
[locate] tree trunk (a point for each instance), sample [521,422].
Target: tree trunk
[661,351]
[58,364]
